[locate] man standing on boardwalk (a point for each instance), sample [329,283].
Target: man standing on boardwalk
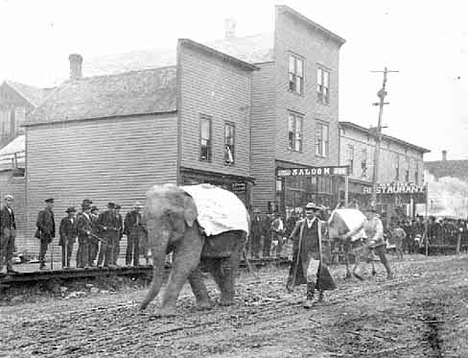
[84,227]
[7,234]
[68,233]
[45,230]
[110,227]
[133,228]
[310,257]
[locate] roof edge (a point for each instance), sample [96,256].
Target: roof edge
[385,136]
[222,55]
[308,21]
[99,118]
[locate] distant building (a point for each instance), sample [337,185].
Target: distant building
[399,162]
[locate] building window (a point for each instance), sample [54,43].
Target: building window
[397,167]
[205,138]
[20,117]
[5,123]
[296,74]
[416,175]
[322,140]
[229,143]
[323,86]
[364,163]
[407,169]
[295,131]
[351,158]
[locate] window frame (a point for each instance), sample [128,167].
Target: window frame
[301,140]
[350,149]
[233,149]
[209,158]
[322,145]
[320,85]
[397,167]
[296,57]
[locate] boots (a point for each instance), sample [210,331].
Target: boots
[309,302]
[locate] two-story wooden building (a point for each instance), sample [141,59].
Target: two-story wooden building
[399,162]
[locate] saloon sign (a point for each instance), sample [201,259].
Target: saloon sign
[397,188]
[312,171]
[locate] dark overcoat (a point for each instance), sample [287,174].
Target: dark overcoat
[307,247]
[45,224]
[68,231]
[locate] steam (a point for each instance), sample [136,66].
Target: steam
[447,196]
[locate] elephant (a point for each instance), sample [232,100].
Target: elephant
[172,226]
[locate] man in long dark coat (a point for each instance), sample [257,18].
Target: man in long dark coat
[110,228]
[133,228]
[7,234]
[68,233]
[310,257]
[257,230]
[45,230]
[84,227]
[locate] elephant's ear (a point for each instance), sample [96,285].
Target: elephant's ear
[190,210]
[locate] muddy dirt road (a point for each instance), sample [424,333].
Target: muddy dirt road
[423,312]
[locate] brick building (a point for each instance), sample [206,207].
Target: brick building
[399,162]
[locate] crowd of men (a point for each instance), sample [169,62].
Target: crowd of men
[98,235]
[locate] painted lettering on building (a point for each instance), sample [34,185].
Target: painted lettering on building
[312,171]
[397,188]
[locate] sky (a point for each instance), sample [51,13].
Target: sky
[426,41]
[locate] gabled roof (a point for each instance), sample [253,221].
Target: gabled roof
[130,93]
[33,95]
[384,136]
[251,49]
[7,153]
[448,168]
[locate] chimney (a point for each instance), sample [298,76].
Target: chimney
[444,155]
[230,28]
[76,60]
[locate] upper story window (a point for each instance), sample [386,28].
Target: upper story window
[205,138]
[322,140]
[364,163]
[20,118]
[323,85]
[5,123]
[397,167]
[351,158]
[295,131]
[296,74]
[416,174]
[407,170]
[229,130]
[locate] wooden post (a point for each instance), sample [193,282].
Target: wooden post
[426,233]
[458,242]
[346,193]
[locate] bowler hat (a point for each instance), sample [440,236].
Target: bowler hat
[111,205]
[87,201]
[312,206]
[117,206]
[94,207]
[71,209]
[9,197]
[85,206]
[50,200]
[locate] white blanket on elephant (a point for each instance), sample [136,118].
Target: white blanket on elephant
[219,210]
[353,218]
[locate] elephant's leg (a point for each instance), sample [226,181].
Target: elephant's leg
[229,269]
[214,266]
[199,289]
[186,258]
[346,251]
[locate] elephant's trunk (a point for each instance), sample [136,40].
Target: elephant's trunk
[159,257]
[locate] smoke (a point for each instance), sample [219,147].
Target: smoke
[447,196]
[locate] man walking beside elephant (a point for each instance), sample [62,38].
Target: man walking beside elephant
[310,257]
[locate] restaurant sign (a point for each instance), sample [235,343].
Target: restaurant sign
[397,188]
[312,171]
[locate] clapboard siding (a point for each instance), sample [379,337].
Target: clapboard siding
[222,90]
[294,37]
[263,135]
[116,159]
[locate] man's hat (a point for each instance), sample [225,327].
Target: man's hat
[71,209]
[111,205]
[312,206]
[87,201]
[50,200]
[9,197]
[370,209]
[85,206]
[137,205]
[94,207]
[117,206]
[257,211]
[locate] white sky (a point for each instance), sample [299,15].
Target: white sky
[427,41]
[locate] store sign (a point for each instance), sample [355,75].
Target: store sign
[312,171]
[238,188]
[397,188]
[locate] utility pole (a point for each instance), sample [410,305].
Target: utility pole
[378,137]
